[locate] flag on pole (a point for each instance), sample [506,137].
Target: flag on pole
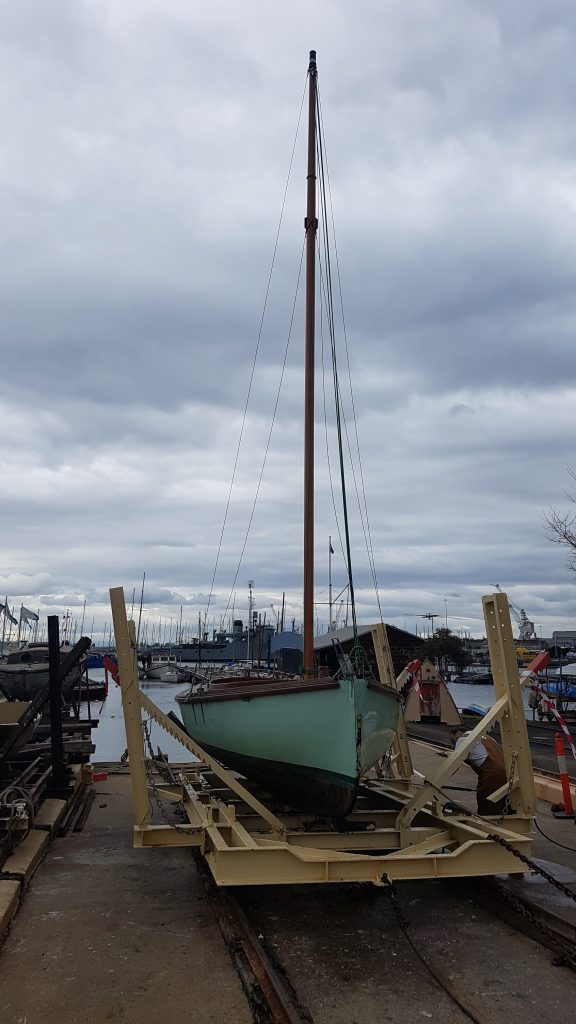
[4,608]
[27,616]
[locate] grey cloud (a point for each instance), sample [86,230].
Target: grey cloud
[147,149]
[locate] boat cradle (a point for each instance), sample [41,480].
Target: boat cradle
[396,831]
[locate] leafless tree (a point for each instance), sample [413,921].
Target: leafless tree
[561,526]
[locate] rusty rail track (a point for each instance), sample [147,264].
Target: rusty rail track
[270,995]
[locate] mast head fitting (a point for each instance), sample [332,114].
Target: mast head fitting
[312,66]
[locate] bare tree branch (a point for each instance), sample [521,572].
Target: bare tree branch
[561,526]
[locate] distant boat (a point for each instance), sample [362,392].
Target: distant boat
[475,711]
[476,679]
[253,644]
[564,688]
[25,670]
[306,740]
[95,658]
[166,669]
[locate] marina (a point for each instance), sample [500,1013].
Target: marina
[269,819]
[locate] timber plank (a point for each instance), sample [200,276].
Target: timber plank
[50,815]
[9,900]
[26,857]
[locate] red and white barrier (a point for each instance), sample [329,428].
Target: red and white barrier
[565,781]
[528,678]
[553,710]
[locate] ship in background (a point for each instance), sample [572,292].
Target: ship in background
[253,644]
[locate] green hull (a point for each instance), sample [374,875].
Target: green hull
[309,746]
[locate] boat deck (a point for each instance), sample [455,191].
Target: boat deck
[234,688]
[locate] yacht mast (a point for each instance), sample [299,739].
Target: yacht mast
[310,225]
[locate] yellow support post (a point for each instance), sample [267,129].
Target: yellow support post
[134,701]
[128,666]
[508,708]
[402,764]
[513,729]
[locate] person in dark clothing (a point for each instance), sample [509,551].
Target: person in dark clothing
[486,758]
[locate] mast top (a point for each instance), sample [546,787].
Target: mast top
[312,65]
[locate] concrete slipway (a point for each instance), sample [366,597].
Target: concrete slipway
[106,934]
[109,933]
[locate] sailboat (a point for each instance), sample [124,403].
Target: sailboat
[307,740]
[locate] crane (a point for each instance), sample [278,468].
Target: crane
[525,626]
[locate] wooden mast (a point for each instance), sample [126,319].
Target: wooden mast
[310,225]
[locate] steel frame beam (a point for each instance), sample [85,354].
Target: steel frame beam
[508,709]
[401,763]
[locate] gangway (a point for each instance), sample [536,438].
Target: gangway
[401,827]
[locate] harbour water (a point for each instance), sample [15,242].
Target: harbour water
[110,737]
[465,694]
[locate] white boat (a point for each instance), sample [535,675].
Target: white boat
[166,669]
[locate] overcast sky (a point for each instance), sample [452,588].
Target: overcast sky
[145,151]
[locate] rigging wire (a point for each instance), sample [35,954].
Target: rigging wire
[253,370]
[364,516]
[337,394]
[276,403]
[328,459]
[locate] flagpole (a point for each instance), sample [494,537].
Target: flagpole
[4,622]
[330,584]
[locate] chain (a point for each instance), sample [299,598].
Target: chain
[402,921]
[506,805]
[404,926]
[455,805]
[157,798]
[508,846]
[566,948]
[532,865]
